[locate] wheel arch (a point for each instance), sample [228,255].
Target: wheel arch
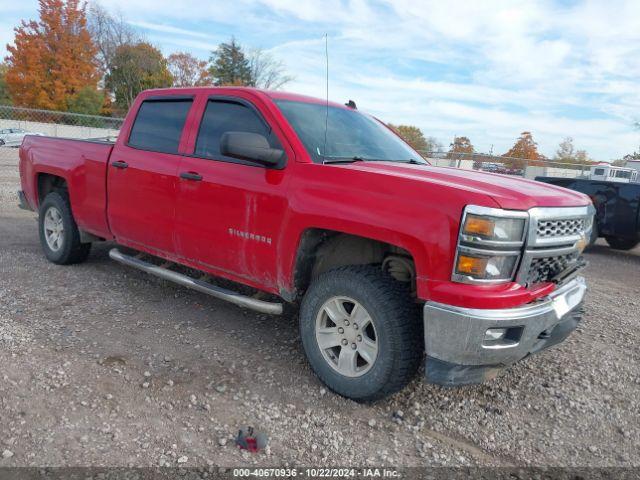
[320,250]
[47,183]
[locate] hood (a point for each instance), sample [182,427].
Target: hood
[509,192]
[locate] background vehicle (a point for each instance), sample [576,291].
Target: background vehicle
[610,173]
[617,209]
[323,206]
[13,136]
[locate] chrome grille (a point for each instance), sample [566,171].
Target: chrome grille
[553,242]
[560,228]
[544,269]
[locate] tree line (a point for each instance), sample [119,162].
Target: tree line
[523,152]
[82,58]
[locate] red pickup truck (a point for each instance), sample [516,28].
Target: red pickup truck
[320,205]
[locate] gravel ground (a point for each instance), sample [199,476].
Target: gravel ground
[105,366]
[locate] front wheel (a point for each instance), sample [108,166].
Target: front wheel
[621,243]
[361,332]
[59,235]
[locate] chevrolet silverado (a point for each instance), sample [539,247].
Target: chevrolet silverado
[390,261]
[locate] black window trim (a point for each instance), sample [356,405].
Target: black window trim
[157,99]
[238,161]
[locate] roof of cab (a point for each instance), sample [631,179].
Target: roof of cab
[273,94]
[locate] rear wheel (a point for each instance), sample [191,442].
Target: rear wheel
[621,243]
[361,332]
[59,235]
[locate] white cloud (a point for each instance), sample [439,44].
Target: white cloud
[486,69]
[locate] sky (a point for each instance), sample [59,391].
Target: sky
[486,69]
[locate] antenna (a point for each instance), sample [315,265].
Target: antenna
[326,116]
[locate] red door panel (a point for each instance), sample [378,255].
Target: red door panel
[142,197]
[229,222]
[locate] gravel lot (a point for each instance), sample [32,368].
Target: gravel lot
[105,366]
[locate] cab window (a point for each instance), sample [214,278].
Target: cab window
[159,124]
[223,116]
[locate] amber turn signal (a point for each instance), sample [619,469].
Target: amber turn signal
[473,266]
[479,226]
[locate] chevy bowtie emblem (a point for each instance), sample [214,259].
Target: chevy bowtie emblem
[582,243]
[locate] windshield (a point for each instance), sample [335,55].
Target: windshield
[350,135]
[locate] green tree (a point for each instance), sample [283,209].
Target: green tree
[135,68]
[230,66]
[88,101]
[5,99]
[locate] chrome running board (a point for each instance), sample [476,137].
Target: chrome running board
[261,306]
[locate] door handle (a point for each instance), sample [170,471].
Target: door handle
[119,164]
[196,177]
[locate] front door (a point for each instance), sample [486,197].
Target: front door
[229,211]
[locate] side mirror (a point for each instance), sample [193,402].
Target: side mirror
[249,146]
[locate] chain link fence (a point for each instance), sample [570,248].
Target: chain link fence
[508,165]
[16,122]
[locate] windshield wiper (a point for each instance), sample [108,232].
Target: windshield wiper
[413,161]
[345,159]
[364,159]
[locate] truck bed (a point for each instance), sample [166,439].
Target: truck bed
[82,162]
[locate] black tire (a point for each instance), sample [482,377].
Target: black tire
[71,250]
[621,243]
[398,330]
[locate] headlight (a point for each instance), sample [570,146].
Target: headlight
[484,266]
[493,229]
[489,245]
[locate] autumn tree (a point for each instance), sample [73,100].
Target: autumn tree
[136,68]
[229,65]
[266,71]
[5,99]
[52,59]
[187,70]
[109,32]
[524,152]
[412,135]
[460,147]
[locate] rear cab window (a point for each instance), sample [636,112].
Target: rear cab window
[159,123]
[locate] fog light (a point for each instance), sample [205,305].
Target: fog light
[494,334]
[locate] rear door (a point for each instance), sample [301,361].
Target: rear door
[229,211]
[142,176]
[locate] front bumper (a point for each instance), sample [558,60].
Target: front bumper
[459,354]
